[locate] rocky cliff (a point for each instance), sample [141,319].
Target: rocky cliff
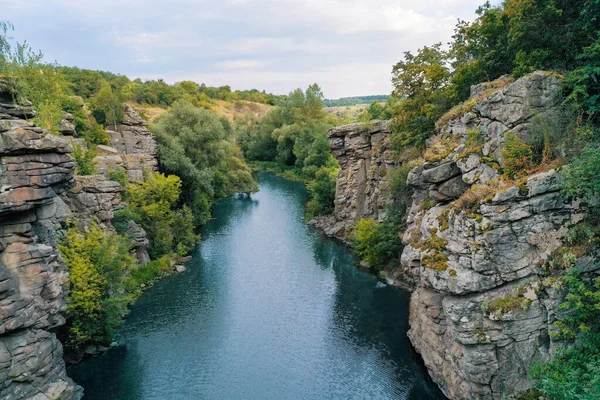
[39,191]
[362,152]
[35,169]
[480,311]
[132,147]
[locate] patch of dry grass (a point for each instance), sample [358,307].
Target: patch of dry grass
[469,104]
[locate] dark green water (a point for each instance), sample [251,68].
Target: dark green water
[267,309]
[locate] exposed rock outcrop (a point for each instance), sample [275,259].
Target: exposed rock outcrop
[94,199]
[133,147]
[362,152]
[485,248]
[474,241]
[35,168]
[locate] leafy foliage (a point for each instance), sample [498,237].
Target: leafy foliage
[376,243]
[155,201]
[420,81]
[85,160]
[517,155]
[193,145]
[294,135]
[99,264]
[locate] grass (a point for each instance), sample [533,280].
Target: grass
[469,105]
[440,148]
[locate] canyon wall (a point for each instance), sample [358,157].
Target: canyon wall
[480,312]
[39,192]
[35,169]
[362,152]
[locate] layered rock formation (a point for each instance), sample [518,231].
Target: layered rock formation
[38,193]
[133,147]
[362,152]
[35,168]
[485,249]
[480,315]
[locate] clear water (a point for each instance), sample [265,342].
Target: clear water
[267,309]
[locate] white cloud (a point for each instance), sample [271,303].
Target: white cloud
[347,46]
[237,65]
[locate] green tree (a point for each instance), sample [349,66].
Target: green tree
[193,145]
[107,107]
[155,201]
[99,265]
[420,82]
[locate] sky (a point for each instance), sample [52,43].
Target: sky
[347,46]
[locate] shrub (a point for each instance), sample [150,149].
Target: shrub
[517,155]
[119,175]
[85,160]
[151,272]
[154,200]
[376,243]
[322,192]
[573,374]
[99,264]
[440,148]
[504,305]
[582,176]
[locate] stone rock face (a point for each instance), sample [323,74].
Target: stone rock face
[35,168]
[488,250]
[361,183]
[94,199]
[141,241]
[133,147]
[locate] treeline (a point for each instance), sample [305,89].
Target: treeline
[198,164]
[515,38]
[291,138]
[87,83]
[352,101]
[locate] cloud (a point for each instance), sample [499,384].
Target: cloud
[237,65]
[347,46]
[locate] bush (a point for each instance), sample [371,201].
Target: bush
[322,192]
[582,176]
[151,272]
[99,264]
[377,243]
[85,160]
[517,155]
[573,374]
[153,202]
[119,175]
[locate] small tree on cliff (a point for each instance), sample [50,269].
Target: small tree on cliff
[107,107]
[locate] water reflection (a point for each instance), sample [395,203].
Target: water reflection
[267,309]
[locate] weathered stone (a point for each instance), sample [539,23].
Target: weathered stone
[134,143]
[440,173]
[492,249]
[35,168]
[362,182]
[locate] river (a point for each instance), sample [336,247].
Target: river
[267,309]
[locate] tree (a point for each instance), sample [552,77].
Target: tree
[155,201]
[192,144]
[420,82]
[107,107]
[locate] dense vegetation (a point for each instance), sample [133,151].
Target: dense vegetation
[515,38]
[352,101]
[292,138]
[195,145]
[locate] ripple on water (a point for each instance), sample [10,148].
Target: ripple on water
[267,309]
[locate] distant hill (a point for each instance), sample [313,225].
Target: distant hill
[352,101]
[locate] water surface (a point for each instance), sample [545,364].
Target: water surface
[267,309]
